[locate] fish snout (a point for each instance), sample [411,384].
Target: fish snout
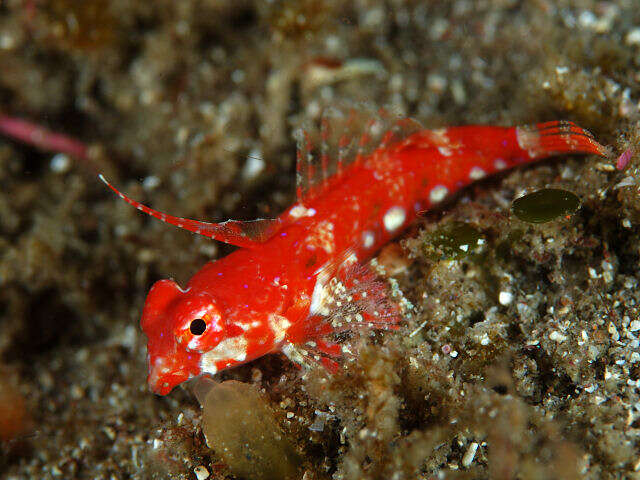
[169,363]
[165,374]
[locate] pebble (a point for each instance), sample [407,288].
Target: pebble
[557,337]
[633,37]
[254,166]
[505,298]
[60,163]
[470,454]
[201,472]
[151,182]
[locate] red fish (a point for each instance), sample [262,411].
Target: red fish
[299,279]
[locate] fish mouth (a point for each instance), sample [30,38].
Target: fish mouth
[169,364]
[164,375]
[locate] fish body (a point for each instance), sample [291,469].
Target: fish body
[275,293]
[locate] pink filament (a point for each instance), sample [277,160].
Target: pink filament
[40,137]
[623,160]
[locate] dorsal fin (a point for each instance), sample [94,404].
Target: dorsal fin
[343,137]
[247,234]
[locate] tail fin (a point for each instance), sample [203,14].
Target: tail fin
[550,138]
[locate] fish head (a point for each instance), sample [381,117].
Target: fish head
[180,325]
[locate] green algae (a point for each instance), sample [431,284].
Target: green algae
[241,429]
[454,241]
[545,205]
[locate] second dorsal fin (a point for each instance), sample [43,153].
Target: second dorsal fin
[247,234]
[344,136]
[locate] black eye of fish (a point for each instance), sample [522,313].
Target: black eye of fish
[198,326]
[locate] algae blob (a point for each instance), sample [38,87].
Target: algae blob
[545,205]
[241,428]
[455,241]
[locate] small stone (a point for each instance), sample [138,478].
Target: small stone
[557,336]
[254,166]
[613,331]
[201,472]
[60,163]
[458,92]
[470,454]
[436,83]
[109,432]
[505,298]
[633,37]
[151,182]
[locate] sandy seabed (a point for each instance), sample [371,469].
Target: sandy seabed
[527,365]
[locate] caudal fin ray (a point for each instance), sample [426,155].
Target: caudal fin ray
[556,137]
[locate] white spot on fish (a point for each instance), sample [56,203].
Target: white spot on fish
[234,348]
[394,218]
[352,258]
[500,164]
[157,370]
[529,140]
[445,152]
[438,193]
[322,237]
[300,211]
[476,173]
[367,239]
[319,296]
[279,326]
[440,136]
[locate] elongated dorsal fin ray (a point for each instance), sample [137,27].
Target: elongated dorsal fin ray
[344,136]
[247,234]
